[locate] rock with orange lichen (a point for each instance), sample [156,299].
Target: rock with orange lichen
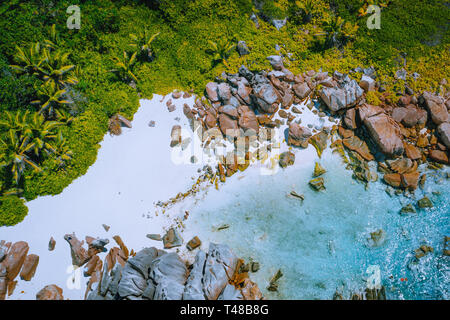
[438,156]
[50,292]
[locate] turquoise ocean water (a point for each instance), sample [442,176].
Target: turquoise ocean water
[321,244]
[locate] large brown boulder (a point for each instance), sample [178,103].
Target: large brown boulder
[228,126]
[412,152]
[350,119]
[29,267]
[410,180]
[436,106]
[298,136]
[410,116]
[384,131]
[211,91]
[50,292]
[444,133]
[266,97]
[393,179]
[368,110]
[355,144]
[247,119]
[302,90]
[438,156]
[15,259]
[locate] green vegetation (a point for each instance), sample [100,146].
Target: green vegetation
[12,210]
[156,46]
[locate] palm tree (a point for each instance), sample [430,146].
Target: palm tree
[125,67]
[29,61]
[15,122]
[336,32]
[40,134]
[308,7]
[62,151]
[221,50]
[142,42]
[64,116]
[15,155]
[54,42]
[50,98]
[57,69]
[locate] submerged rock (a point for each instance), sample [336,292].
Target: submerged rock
[287,159]
[409,208]
[318,170]
[377,238]
[193,243]
[273,284]
[425,203]
[172,239]
[422,251]
[317,184]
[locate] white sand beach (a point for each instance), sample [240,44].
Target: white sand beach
[132,173]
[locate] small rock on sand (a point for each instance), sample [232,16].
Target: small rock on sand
[51,244]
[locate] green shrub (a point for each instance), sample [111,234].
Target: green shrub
[12,210]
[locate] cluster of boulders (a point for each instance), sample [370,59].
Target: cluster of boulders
[14,261]
[411,131]
[153,274]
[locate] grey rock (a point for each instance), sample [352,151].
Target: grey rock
[401,74]
[342,96]
[230,293]
[100,244]
[194,285]
[156,237]
[244,72]
[276,62]
[254,18]
[135,273]
[265,97]
[242,48]
[110,281]
[224,92]
[219,267]
[444,134]
[367,83]
[279,23]
[168,273]
[370,72]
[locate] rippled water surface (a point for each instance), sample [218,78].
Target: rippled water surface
[321,244]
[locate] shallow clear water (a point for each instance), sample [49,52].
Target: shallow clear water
[321,245]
